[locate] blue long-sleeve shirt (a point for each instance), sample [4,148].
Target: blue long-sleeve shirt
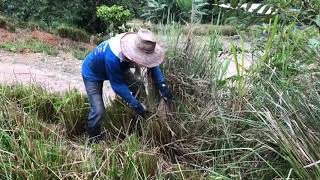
[103,64]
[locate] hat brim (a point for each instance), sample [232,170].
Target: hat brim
[132,52]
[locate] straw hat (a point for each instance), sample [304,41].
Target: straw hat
[142,48]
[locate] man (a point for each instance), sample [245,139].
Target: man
[111,60]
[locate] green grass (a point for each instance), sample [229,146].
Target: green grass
[31,45]
[259,132]
[79,53]
[37,46]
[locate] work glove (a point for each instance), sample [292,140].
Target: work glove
[146,114]
[165,91]
[141,111]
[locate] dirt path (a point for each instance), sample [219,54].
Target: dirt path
[57,74]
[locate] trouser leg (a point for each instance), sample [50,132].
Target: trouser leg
[97,109]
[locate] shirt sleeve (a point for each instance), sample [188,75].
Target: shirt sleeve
[117,83]
[157,75]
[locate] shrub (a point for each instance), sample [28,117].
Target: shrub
[73,33]
[114,16]
[4,23]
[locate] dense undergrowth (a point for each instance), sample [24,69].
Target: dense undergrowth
[261,123]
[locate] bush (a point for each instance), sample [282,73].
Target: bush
[4,23]
[114,16]
[73,33]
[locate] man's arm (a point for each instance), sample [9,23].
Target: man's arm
[160,82]
[157,75]
[118,85]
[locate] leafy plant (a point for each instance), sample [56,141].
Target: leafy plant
[177,10]
[160,10]
[114,17]
[193,9]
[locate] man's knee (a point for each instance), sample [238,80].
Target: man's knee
[99,112]
[95,116]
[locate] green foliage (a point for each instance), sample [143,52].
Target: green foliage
[114,16]
[317,20]
[73,33]
[32,45]
[80,13]
[261,124]
[192,10]
[135,7]
[161,10]
[290,10]
[177,10]
[295,52]
[6,24]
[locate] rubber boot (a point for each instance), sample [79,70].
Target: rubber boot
[94,135]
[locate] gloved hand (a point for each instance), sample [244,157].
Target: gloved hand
[165,91]
[146,114]
[141,111]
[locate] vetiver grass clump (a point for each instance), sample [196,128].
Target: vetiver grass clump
[252,124]
[70,109]
[35,147]
[32,146]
